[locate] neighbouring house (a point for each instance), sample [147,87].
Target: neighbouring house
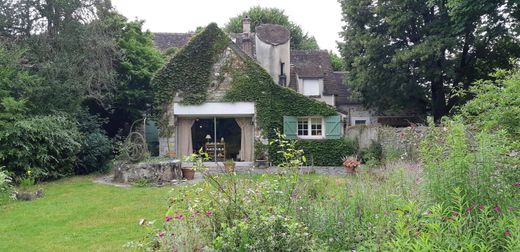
[223,96]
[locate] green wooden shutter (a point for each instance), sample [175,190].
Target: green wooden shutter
[333,127]
[290,124]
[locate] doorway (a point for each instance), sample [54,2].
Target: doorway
[219,137]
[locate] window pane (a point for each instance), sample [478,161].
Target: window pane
[360,122]
[303,127]
[316,126]
[311,87]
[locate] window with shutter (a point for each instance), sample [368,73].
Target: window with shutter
[290,124]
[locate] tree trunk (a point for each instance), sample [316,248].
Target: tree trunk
[438,100]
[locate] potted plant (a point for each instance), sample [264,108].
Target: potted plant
[196,161]
[350,163]
[188,172]
[260,154]
[229,165]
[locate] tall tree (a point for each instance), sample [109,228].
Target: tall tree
[259,15]
[423,52]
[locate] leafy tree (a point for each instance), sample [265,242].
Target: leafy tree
[337,63]
[137,61]
[259,15]
[423,52]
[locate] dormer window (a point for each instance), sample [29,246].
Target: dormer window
[311,87]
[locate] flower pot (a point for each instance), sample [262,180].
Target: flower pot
[229,167]
[350,170]
[261,164]
[188,173]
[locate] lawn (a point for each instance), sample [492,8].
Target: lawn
[79,215]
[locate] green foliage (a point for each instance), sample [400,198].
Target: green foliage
[372,154]
[338,64]
[496,106]
[456,228]
[5,185]
[253,84]
[47,145]
[326,152]
[476,162]
[259,15]
[137,61]
[96,148]
[188,72]
[421,52]
[266,232]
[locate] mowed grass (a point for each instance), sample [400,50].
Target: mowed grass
[79,215]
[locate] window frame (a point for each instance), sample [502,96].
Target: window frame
[314,80]
[309,123]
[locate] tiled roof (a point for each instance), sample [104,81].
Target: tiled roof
[272,34]
[313,64]
[164,41]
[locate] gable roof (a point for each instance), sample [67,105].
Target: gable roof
[313,64]
[163,40]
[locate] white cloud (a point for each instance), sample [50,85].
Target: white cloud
[321,19]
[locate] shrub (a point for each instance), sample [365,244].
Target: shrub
[326,152]
[5,185]
[459,227]
[477,162]
[265,232]
[47,145]
[96,148]
[372,154]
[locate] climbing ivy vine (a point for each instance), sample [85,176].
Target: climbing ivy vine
[188,71]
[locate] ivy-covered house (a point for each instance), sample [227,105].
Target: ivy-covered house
[223,95]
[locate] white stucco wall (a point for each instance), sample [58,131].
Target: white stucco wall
[270,57]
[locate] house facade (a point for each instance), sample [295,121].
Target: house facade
[240,95]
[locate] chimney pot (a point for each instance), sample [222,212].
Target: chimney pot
[246,24]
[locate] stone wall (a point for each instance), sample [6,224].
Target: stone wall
[163,171]
[405,140]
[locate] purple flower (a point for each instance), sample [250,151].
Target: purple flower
[455,213]
[507,233]
[468,209]
[482,206]
[209,213]
[168,218]
[517,184]
[161,234]
[497,209]
[510,208]
[179,217]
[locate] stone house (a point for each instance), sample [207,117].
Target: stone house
[295,91]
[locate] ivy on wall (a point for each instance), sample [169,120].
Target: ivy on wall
[253,84]
[187,74]
[188,71]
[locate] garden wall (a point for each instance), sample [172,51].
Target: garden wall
[405,140]
[163,171]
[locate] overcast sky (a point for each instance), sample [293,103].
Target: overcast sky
[321,19]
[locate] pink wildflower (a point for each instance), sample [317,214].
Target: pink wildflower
[179,217]
[161,234]
[517,184]
[507,233]
[168,218]
[497,209]
[510,208]
[455,213]
[209,213]
[468,209]
[482,206]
